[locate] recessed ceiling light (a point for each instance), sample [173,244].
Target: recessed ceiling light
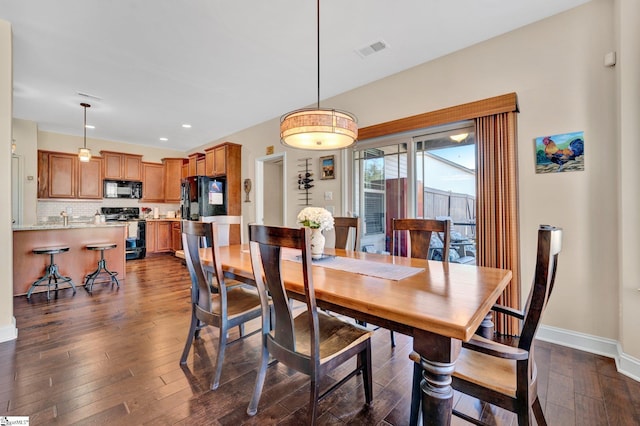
[164,139]
[89,126]
[186,126]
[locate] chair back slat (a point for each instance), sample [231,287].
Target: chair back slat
[343,227]
[196,236]
[420,231]
[266,259]
[549,246]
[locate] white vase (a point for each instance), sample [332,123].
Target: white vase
[317,243]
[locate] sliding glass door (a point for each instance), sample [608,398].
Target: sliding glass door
[427,174]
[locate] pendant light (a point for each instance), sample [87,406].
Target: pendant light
[84,154]
[318,128]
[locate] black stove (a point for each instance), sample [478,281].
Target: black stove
[136,229]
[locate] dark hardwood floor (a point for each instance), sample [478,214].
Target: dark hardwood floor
[113,358]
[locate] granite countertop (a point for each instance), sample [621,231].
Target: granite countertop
[76,225]
[164,219]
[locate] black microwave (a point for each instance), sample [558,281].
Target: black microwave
[122,189]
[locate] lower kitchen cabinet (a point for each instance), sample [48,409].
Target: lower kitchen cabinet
[176,236]
[159,236]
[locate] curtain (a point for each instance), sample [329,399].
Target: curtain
[497,206]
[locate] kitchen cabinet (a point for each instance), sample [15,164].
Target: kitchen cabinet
[196,163]
[172,178]
[62,175]
[151,234]
[153,182]
[158,236]
[185,169]
[217,158]
[176,236]
[121,166]
[90,178]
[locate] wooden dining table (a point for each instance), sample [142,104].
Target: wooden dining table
[440,305]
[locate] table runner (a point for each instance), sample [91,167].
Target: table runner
[359,266]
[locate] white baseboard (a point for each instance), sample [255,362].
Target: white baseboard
[626,364]
[9,332]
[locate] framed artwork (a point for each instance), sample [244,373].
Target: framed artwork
[327,167]
[560,153]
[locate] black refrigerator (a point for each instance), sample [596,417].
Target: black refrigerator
[203,196]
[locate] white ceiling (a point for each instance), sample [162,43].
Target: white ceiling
[224,65]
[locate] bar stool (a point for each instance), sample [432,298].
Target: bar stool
[51,272]
[102,266]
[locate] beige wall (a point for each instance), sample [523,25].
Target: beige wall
[66,143]
[628,69]
[25,134]
[7,321]
[556,68]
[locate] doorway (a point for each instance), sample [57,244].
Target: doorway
[271,177]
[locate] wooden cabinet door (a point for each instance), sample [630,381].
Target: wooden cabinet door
[209,161]
[113,165]
[172,178]
[90,178]
[176,236]
[151,236]
[153,182]
[185,170]
[62,175]
[43,174]
[200,167]
[163,237]
[220,160]
[132,167]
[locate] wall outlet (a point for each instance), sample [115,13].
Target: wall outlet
[330,209]
[69,210]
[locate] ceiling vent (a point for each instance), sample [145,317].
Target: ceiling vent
[372,48]
[88,96]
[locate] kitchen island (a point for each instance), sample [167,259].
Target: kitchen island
[76,263]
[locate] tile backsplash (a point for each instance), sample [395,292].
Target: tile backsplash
[87,208]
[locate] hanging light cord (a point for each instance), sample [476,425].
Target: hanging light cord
[85,123]
[318,47]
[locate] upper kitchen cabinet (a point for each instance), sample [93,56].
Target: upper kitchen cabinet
[121,166]
[221,158]
[196,164]
[172,179]
[61,175]
[90,178]
[152,182]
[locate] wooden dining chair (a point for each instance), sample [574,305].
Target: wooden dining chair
[312,342]
[343,227]
[420,231]
[221,302]
[500,374]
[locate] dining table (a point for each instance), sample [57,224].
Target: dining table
[439,304]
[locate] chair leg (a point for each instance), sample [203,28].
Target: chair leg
[222,345]
[393,339]
[416,394]
[537,412]
[313,401]
[187,345]
[367,377]
[262,372]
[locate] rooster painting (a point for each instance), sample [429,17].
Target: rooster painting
[560,150]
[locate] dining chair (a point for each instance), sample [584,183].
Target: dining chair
[420,231]
[501,374]
[223,303]
[312,342]
[343,227]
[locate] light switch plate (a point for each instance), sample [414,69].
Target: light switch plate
[328,195]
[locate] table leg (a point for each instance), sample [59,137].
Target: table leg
[438,355]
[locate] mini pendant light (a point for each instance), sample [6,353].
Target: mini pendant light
[318,128]
[84,154]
